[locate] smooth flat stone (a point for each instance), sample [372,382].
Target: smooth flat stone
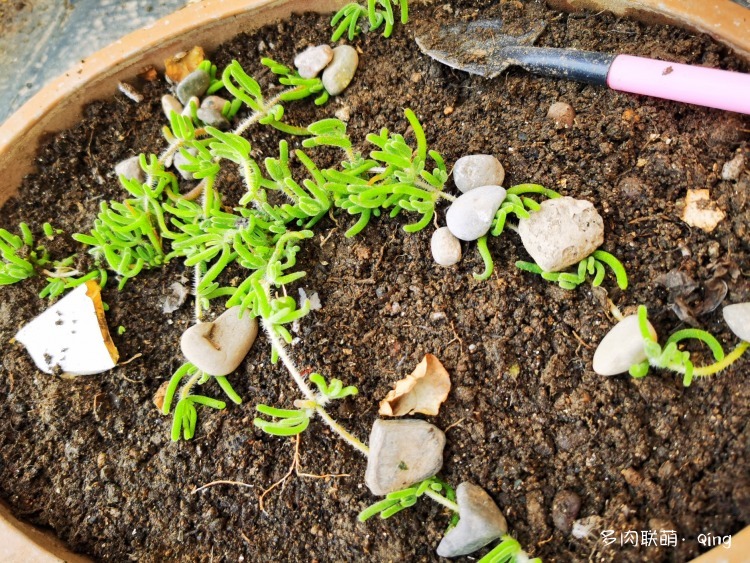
[471,215]
[218,347]
[213,118]
[562,233]
[621,347]
[214,102]
[480,522]
[170,104]
[737,316]
[475,170]
[446,248]
[131,169]
[312,60]
[340,71]
[180,160]
[402,452]
[194,84]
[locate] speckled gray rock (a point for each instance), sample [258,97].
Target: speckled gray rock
[340,71]
[446,248]
[219,347]
[621,347]
[312,60]
[402,452]
[194,84]
[471,215]
[562,233]
[475,170]
[180,160]
[213,118]
[131,169]
[737,316]
[214,102]
[480,522]
[170,104]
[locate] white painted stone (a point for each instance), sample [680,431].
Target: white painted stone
[480,522]
[170,104]
[131,169]
[471,215]
[446,248]
[562,233]
[218,347]
[737,316]
[402,452]
[621,347]
[475,170]
[339,73]
[312,60]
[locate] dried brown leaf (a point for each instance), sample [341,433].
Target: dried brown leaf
[421,392]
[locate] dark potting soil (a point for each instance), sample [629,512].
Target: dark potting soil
[527,418]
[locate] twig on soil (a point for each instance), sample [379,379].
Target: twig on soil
[221,482]
[126,362]
[459,421]
[580,340]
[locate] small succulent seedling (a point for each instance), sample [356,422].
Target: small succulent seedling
[508,551]
[377,12]
[672,358]
[593,266]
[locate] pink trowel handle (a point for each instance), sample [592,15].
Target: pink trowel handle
[708,87]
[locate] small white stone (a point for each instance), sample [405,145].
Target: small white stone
[402,452]
[187,111]
[563,232]
[218,347]
[339,73]
[471,215]
[312,60]
[562,114]
[180,160]
[170,104]
[737,316]
[446,248]
[621,347]
[731,169]
[343,113]
[213,118]
[477,170]
[131,169]
[480,522]
[214,102]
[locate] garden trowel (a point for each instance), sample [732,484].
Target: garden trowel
[480,47]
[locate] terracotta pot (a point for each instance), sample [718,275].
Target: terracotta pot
[209,23]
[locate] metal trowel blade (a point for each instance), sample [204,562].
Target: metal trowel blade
[475,47]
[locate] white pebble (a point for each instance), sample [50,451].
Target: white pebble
[737,316]
[471,215]
[214,102]
[131,169]
[731,169]
[475,170]
[562,114]
[621,347]
[562,233]
[218,347]
[130,91]
[180,161]
[187,111]
[170,104]
[339,73]
[446,248]
[312,60]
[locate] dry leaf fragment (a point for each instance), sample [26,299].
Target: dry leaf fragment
[182,64]
[423,391]
[700,211]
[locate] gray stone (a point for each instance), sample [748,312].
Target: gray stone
[731,169]
[214,102]
[180,160]
[339,73]
[312,60]
[446,248]
[402,452]
[170,104]
[565,508]
[218,347]
[737,316]
[480,522]
[477,170]
[471,215]
[194,84]
[213,118]
[562,233]
[175,298]
[131,169]
[621,347]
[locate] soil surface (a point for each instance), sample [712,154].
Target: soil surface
[526,419]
